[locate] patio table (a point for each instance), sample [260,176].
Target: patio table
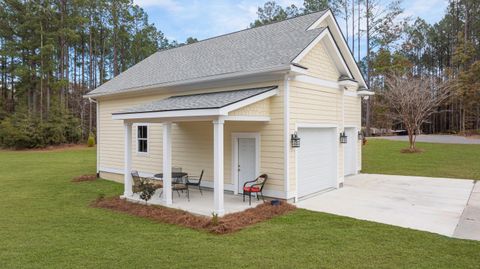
[176,176]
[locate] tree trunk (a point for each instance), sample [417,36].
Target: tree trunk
[368,104]
[353,27]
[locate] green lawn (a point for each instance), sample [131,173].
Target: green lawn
[46,222]
[438,160]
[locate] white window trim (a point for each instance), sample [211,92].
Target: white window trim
[235,137]
[140,153]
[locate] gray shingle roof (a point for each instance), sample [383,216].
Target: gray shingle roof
[210,100]
[270,46]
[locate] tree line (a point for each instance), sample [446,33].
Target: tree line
[386,43]
[52,52]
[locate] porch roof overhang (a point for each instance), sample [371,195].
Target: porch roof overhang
[197,106]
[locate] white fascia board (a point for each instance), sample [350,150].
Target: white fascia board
[168,114]
[348,83]
[225,110]
[195,112]
[282,68]
[330,21]
[320,20]
[298,70]
[332,50]
[365,93]
[248,118]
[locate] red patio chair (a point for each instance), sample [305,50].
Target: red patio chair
[254,186]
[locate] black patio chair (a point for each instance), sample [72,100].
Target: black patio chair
[195,181]
[254,186]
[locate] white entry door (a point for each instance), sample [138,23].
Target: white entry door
[317,160]
[350,152]
[246,161]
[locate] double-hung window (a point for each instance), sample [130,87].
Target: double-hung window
[142,138]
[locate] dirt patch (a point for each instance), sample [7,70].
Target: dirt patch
[223,225]
[83,178]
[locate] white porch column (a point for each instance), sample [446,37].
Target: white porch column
[128,160]
[218,165]
[167,162]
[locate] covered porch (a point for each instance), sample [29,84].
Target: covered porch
[200,204]
[201,110]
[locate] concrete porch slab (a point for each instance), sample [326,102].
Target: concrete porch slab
[200,204]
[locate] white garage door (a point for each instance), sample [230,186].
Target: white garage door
[350,152]
[317,160]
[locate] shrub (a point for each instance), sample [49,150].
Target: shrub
[21,130]
[91,140]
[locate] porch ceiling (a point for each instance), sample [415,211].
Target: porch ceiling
[198,106]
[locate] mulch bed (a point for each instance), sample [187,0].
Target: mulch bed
[223,225]
[83,178]
[409,150]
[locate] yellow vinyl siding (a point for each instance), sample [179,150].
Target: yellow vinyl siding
[353,117]
[314,104]
[192,142]
[261,108]
[320,64]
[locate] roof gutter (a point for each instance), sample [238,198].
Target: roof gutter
[282,68]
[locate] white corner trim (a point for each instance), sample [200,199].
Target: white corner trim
[97,133]
[286,134]
[247,118]
[317,81]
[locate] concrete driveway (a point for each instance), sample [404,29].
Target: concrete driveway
[428,204]
[444,139]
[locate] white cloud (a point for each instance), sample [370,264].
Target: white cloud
[170,5]
[431,10]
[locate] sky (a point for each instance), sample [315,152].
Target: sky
[180,19]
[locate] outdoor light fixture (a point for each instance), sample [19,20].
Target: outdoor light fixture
[360,135]
[295,140]
[343,138]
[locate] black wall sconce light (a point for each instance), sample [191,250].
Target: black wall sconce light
[295,140]
[360,136]
[343,138]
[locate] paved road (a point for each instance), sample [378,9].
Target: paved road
[437,205]
[445,139]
